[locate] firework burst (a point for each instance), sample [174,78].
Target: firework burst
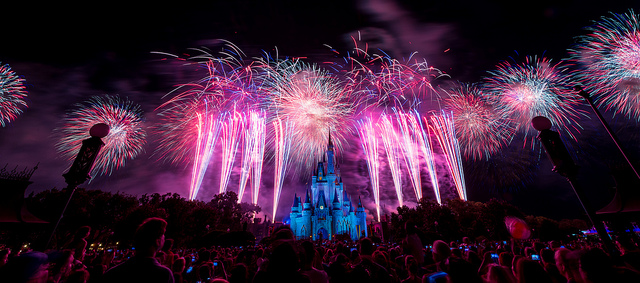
[534,88]
[12,95]
[315,104]
[481,128]
[126,137]
[607,63]
[382,81]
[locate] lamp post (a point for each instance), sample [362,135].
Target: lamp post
[563,164]
[79,171]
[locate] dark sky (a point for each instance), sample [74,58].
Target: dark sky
[67,53]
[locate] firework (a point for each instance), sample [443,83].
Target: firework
[207,130]
[607,62]
[444,129]
[534,88]
[282,151]
[409,140]
[126,138]
[369,142]
[379,80]
[390,141]
[313,101]
[12,95]
[231,131]
[426,147]
[481,127]
[252,155]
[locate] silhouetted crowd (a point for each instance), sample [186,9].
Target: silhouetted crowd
[285,259]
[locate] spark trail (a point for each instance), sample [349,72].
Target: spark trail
[409,139]
[232,126]
[369,141]
[282,151]
[426,146]
[444,130]
[207,130]
[390,141]
[252,155]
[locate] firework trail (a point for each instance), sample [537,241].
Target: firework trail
[369,141]
[12,95]
[231,131]
[126,137]
[282,152]
[253,154]
[258,134]
[607,62]
[444,129]
[426,147]
[207,130]
[409,140]
[313,101]
[534,88]
[390,141]
[481,127]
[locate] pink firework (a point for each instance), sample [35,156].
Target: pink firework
[230,134]
[282,132]
[125,140]
[390,140]
[443,127]
[607,63]
[12,95]
[482,128]
[314,103]
[369,141]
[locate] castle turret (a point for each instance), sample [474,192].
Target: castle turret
[306,206]
[336,202]
[296,204]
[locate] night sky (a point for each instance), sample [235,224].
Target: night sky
[69,53]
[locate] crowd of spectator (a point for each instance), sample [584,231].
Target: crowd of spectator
[285,259]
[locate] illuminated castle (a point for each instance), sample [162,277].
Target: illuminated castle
[316,217]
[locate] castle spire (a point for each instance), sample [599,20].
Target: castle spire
[307,199]
[295,200]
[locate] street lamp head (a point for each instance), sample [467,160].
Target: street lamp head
[541,123]
[99,130]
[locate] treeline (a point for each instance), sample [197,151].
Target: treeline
[113,217]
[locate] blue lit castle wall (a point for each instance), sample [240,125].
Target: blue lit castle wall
[327,209]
